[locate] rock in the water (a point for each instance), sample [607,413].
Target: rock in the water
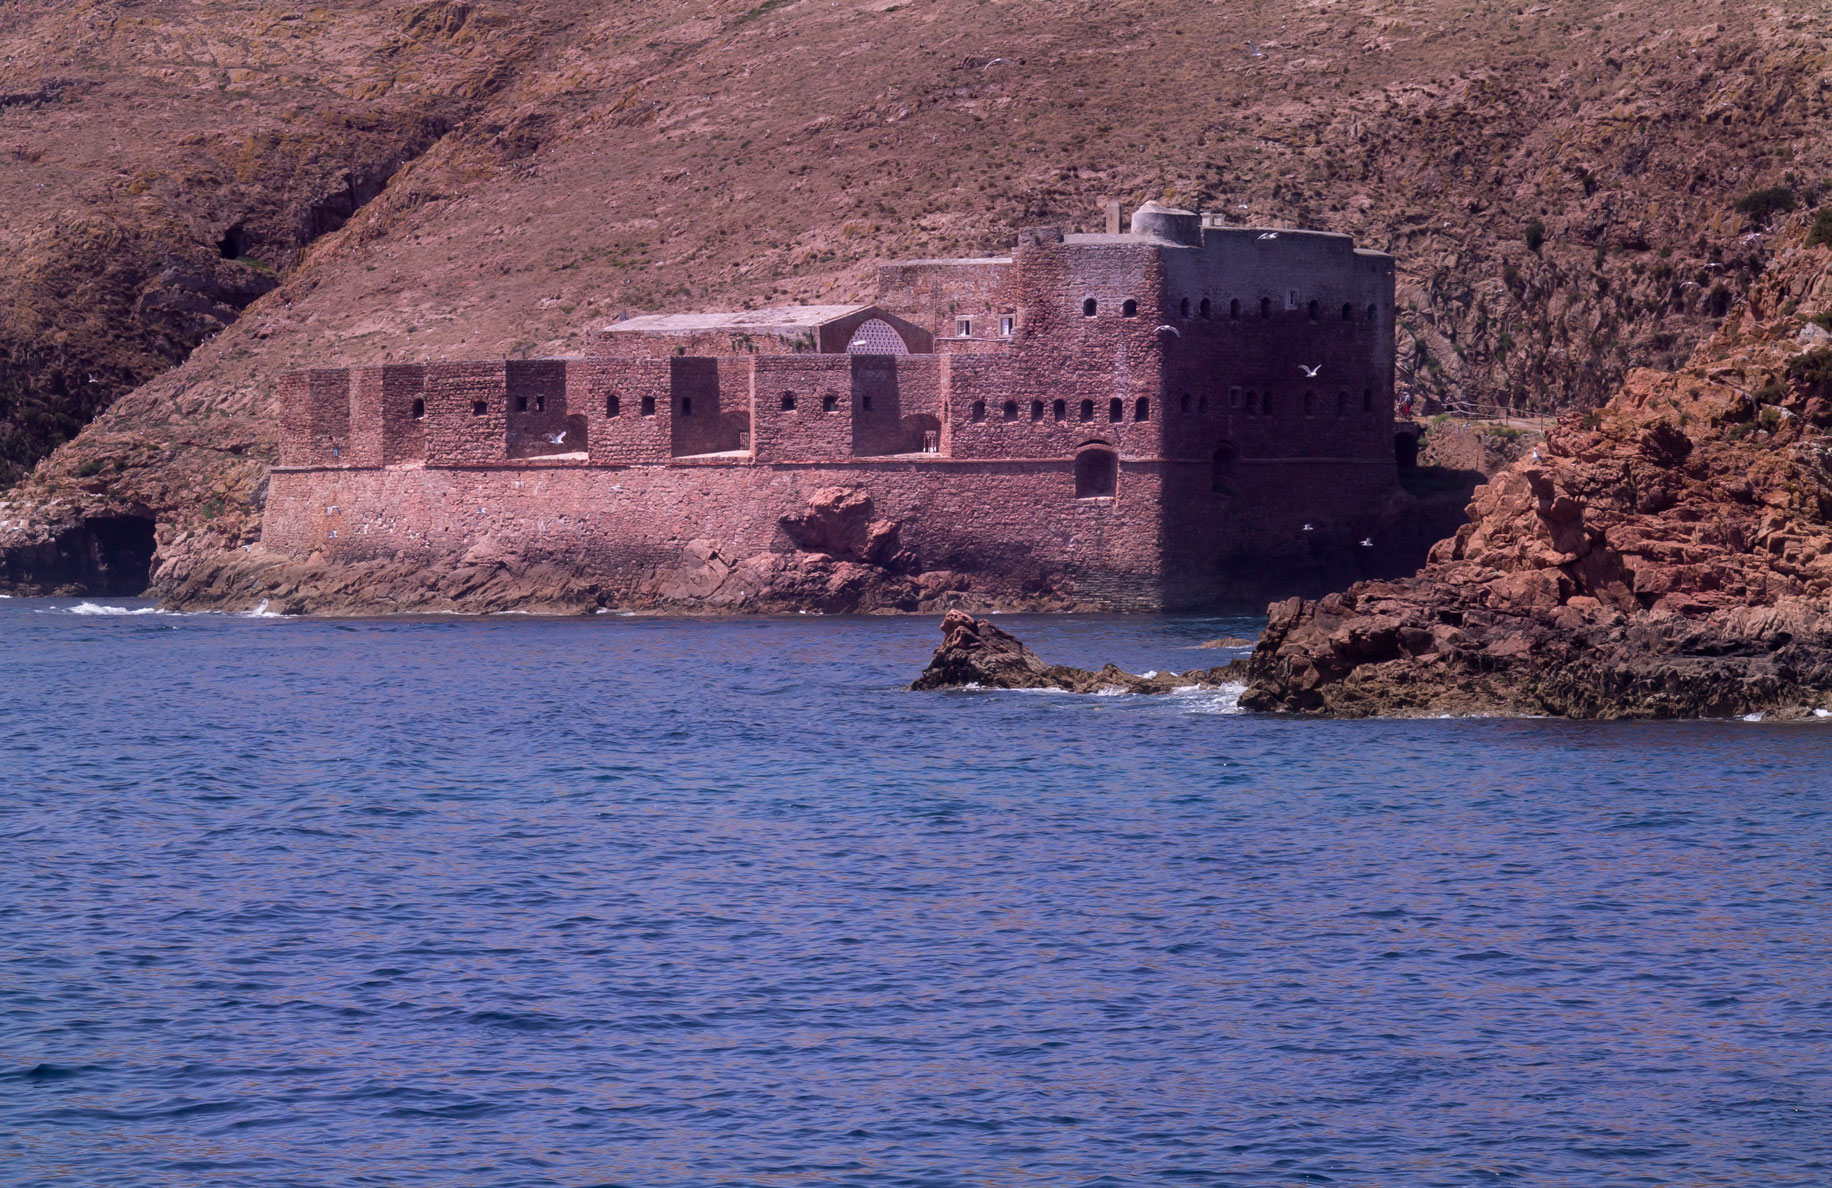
[976,654]
[1226,641]
[1667,556]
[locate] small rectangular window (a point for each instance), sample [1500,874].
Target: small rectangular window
[1005,325]
[1291,299]
[479,408]
[521,404]
[963,327]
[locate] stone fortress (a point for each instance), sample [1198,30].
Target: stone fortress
[1112,419]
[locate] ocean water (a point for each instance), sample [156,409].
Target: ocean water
[653,903]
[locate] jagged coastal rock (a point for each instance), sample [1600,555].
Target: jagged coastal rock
[975,654]
[1667,556]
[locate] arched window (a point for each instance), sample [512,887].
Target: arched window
[1036,410]
[1141,409]
[1116,409]
[1183,404]
[1234,308]
[1011,410]
[1313,311]
[612,406]
[1367,400]
[1087,410]
[648,406]
[830,403]
[1184,308]
[978,411]
[1059,410]
[419,410]
[1348,312]
[1129,308]
[1310,403]
[788,402]
[1342,404]
[1204,310]
[1097,472]
[1087,308]
[875,336]
[1265,307]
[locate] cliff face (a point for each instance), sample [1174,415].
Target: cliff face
[247,187]
[1668,556]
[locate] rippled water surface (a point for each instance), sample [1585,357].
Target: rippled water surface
[640,902]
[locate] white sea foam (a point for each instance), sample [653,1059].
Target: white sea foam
[261,612]
[1222,699]
[94,608]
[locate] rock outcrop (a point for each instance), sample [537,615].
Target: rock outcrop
[974,654]
[1668,556]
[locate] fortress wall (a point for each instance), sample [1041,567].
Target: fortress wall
[630,437]
[934,294]
[1060,354]
[1011,524]
[384,429]
[895,401]
[535,394]
[806,431]
[467,417]
[1262,355]
[315,417]
[712,405]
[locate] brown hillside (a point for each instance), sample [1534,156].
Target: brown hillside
[548,164]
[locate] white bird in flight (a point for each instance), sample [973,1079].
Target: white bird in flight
[1310,372]
[557,438]
[1310,527]
[92,378]
[1255,49]
[1367,542]
[1269,235]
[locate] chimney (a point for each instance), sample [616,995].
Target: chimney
[1113,217]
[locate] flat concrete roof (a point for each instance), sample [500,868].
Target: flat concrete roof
[780,319]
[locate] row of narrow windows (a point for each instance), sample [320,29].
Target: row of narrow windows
[1059,410]
[1261,403]
[1249,400]
[1206,310]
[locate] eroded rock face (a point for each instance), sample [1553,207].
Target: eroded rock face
[1670,556]
[975,654]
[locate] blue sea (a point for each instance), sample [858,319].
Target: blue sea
[651,902]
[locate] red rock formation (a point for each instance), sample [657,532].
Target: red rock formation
[1668,556]
[975,654]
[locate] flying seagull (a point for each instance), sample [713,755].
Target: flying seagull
[1310,527]
[1269,235]
[1310,372]
[557,438]
[1367,542]
[1255,49]
[92,378]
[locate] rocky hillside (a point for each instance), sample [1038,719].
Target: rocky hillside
[238,187]
[1670,555]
